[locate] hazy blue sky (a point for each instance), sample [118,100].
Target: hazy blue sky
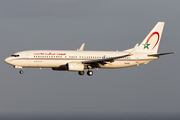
[102,25]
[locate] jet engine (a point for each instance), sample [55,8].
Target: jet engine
[72,66]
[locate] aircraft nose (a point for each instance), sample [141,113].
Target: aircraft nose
[7,60]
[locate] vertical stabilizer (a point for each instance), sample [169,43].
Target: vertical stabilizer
[151,43]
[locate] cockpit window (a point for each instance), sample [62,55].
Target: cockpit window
[14,55]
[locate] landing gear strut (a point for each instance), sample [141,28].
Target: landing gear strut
[19,67]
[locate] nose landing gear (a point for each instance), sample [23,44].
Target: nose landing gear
[21,72]
[19,67]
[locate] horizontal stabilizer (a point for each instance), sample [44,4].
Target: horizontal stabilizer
[159,54]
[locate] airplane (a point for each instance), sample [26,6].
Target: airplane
[78,60]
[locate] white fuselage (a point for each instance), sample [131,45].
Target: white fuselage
[79,60]
[57,58]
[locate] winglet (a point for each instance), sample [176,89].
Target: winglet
[133,50]
[81,48]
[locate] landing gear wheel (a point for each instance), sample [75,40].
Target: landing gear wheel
[81,72]
[90,73]
[21,72]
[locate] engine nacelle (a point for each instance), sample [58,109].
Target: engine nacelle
[75,66]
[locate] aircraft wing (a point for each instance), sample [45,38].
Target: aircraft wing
[98,62]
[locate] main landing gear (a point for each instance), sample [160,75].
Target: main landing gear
[89,72]
[81,72]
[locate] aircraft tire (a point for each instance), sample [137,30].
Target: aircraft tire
[21,72]
[81,72]
[90,73]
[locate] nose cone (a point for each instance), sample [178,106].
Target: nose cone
[7,60]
